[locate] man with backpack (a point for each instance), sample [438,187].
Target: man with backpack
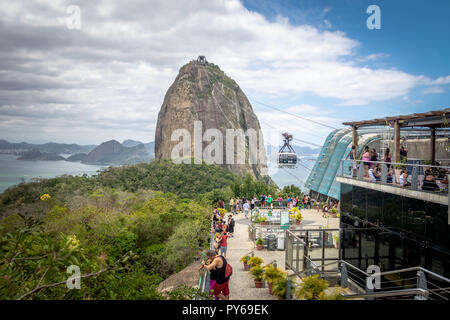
[220,273]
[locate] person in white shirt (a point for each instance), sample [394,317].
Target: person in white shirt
[372,176]
[404,179]
[246,208]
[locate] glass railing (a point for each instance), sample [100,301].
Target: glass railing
[429,178]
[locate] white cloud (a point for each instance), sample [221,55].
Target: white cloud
[432,90]
[115,71]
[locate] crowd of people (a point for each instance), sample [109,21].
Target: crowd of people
[216,263]
[245,205]
[435,178]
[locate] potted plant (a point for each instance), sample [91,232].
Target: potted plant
[298,217]
[244,260]
[313,288]
[334,212]
[263,220]
[259,243]
[257,274]
[336,241]
[255,261]
[279,287]
[272,274]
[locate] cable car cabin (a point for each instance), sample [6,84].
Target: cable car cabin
[286,155]
[287,159]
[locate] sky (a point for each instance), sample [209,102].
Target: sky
[105,77]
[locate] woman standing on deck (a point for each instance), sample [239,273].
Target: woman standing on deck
[366,159]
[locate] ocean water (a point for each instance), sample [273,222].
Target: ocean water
[12,171]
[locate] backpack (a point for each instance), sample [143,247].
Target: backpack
[228,271]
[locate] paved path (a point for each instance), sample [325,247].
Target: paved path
[241,284]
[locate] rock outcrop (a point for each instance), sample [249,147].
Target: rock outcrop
[205,95]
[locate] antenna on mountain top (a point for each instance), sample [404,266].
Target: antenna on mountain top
[202,60]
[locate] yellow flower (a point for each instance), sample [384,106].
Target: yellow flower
[45,197]
[73,242]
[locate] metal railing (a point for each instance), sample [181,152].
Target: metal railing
[390,173]
[204,283]
[305,259]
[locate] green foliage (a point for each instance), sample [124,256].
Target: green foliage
[313,288]
[259,241]
[245,258]
[137,239]
[291,191]
[272,273]
[252,187]
[257,272]
[279,287]
[255,261]
[187,293]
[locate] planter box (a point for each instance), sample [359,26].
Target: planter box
[258,284]
[259,246]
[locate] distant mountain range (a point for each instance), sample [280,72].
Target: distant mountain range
[109,153]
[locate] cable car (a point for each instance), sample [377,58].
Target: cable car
[286,155]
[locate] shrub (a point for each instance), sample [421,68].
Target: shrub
[257,272]
[272,273]
[255,261]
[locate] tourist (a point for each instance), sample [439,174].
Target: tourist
[246,209]
[216,265]
[352,156]
[296,202]
[308,202]
[223,243]
[373,157]
[252,204]
[387,158]
[429,181]
[366,158]
[403,178]
[290,204]
[280,202]
[231,204]
[263,201]
[231,225]
[269,201]
[221,204]
[374,174]
[240,204]
[403,154]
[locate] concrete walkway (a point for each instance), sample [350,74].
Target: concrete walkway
[242,286]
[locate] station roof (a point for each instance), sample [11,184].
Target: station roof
[429,119]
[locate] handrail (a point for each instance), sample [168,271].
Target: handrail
[393,293]
[413,269]
[400,163]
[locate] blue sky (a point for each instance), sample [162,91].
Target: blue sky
[414,38]
[107,79]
